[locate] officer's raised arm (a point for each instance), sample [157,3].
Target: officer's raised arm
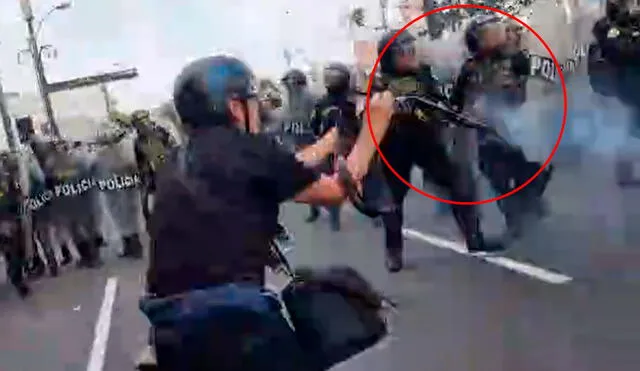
[380,112]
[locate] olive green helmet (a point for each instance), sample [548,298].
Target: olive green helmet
[140,116]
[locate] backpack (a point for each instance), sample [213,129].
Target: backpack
[336,314]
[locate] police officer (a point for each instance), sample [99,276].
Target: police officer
[335,110]
[151,145]
[496,74]
[415,138]
[271,113]
[12,238]
[298,106]
[614,58]
[215,214]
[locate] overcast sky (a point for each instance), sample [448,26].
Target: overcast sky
[160,36]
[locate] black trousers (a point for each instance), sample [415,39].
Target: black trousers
[409,145]
[507,168]
[15,257]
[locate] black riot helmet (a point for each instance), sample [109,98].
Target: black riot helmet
[337,78]
[474,30]
[621,10]
[204,87]
[405,43]
[294,77]
[614,9]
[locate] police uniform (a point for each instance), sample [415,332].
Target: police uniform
[11,235]
[334,111]
[617,72]
[415,138]
[614,69]
[297,109]
[495,82]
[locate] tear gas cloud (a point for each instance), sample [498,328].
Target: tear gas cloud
[595,124]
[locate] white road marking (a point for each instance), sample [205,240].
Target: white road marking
[513,265]
[103,326]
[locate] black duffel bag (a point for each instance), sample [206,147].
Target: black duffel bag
[336,314]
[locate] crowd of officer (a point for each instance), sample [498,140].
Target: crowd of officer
[72,223]
[497,71]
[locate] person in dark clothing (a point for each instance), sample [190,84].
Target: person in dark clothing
[335,110]
[614,57]
[415,138]
[216,212]
[151,145]
[12,236]
[498,72]
[614,68]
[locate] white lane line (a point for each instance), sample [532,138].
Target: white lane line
[513,265]
[103,326]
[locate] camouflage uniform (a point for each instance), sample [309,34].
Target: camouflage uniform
[151,146]
[11,234]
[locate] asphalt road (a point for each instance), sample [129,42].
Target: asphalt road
[573,305]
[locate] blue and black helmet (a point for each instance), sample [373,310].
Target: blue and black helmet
[202,90]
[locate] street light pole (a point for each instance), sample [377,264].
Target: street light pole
[36,56]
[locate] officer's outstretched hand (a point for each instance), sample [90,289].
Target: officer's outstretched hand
[381,108]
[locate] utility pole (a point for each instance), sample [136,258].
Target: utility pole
[36,56]
[107,98]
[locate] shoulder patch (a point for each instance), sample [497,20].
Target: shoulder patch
[420,115]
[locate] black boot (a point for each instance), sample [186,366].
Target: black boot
[67,258]
[35,267]
[479,244]
[15,272]
[469,224]
[89,255]
[314,214]
[23,290]
[99,241]
[132,248]
[394,261]
[392,222]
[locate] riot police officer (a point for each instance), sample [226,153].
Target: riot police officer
[12,241]
[151,145]
[614,66]
[335,110]
[496,74]
[415,138]
[298,105]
